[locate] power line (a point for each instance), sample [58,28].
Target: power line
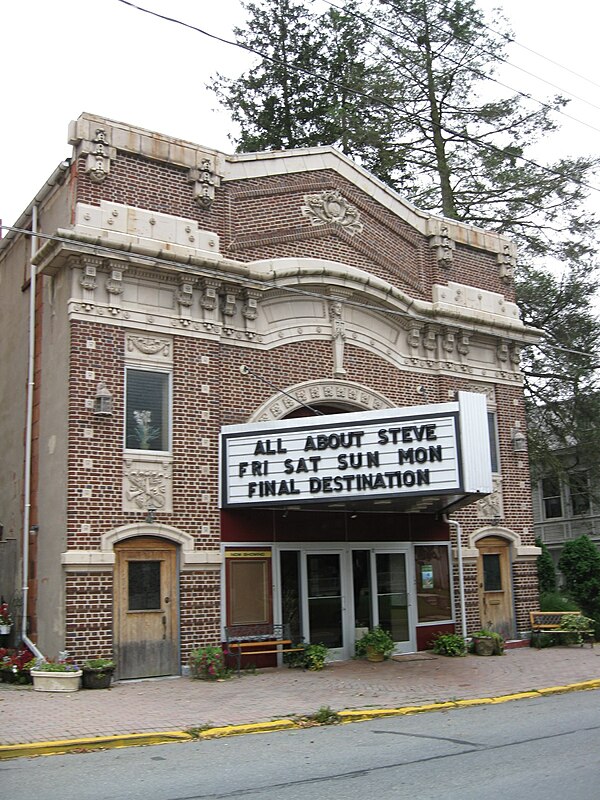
[475,71]
[374,98]
[97,249]
[510,40]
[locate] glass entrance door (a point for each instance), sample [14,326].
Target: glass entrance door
[325,604]
[393,611]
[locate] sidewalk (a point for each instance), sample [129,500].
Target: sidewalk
[177,704]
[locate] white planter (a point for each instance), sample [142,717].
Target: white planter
[55,681]
[5,629]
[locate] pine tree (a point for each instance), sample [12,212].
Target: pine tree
[405,88]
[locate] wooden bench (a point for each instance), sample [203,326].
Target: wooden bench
[550,622]
[257,640]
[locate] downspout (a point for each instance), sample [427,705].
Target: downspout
[28,434]
[461,577]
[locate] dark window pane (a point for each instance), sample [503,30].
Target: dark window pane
[290,591]
[392,597]
[361,575]
[580,498]
[551,497]
[492,579]
[493,441]
[325,601]
[324,576]
[147,412]
[144,586]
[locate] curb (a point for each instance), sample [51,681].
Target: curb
[362,715]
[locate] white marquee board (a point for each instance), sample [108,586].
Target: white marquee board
[440,449]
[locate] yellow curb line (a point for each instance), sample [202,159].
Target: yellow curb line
[165,737]
[254,727]
[91,743]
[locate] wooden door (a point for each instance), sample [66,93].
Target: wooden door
[145,608]
[494,579]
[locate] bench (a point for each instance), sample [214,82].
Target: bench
[257,640]
[550,622]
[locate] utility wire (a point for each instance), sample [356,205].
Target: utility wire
[510,40]
[373,98]
[371,22]
[97,249]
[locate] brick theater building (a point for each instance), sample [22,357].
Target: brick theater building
[255,388]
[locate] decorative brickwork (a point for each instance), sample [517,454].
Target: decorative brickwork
[277,283]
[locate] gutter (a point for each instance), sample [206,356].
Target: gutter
[55,179]
[461,578]
[28,434]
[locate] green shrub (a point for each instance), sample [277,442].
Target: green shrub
[579,625]
[546,570]
[580,565]
[208,664]
[555,601]
[310,656]
[449,644]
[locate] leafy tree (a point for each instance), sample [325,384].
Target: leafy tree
[545,569]
[404,87]
[580,565]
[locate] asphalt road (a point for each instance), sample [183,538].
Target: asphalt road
[540,748]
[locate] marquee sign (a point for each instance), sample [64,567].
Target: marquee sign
[438,449]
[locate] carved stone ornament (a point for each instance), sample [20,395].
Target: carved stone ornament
[492,507]
[329,207]
[147,485]
[97,164]
[506,265]
[204,180]
[148,345]
[444,248]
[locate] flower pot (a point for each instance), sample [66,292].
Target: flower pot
[96,678]
[373,654]
[484,645]
[55,681]
[5,630]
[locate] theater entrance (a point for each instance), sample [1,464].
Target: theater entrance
[334,595]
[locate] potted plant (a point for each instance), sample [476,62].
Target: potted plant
[56,676]
[5,619]
[97,673]
[487,643]
[376,644]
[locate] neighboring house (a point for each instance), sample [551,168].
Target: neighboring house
[251,388]
[564,509]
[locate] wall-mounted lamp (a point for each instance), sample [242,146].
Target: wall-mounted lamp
[354,515]
[151,515]
[519,441]
[103,402]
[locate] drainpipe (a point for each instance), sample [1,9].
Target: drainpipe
[461,578]
[28,435]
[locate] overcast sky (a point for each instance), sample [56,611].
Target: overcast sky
[60,58]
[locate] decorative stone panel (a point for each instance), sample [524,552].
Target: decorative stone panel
[145,348]
[147,483]
[329,207]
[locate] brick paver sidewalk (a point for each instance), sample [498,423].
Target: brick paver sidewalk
[181,703]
